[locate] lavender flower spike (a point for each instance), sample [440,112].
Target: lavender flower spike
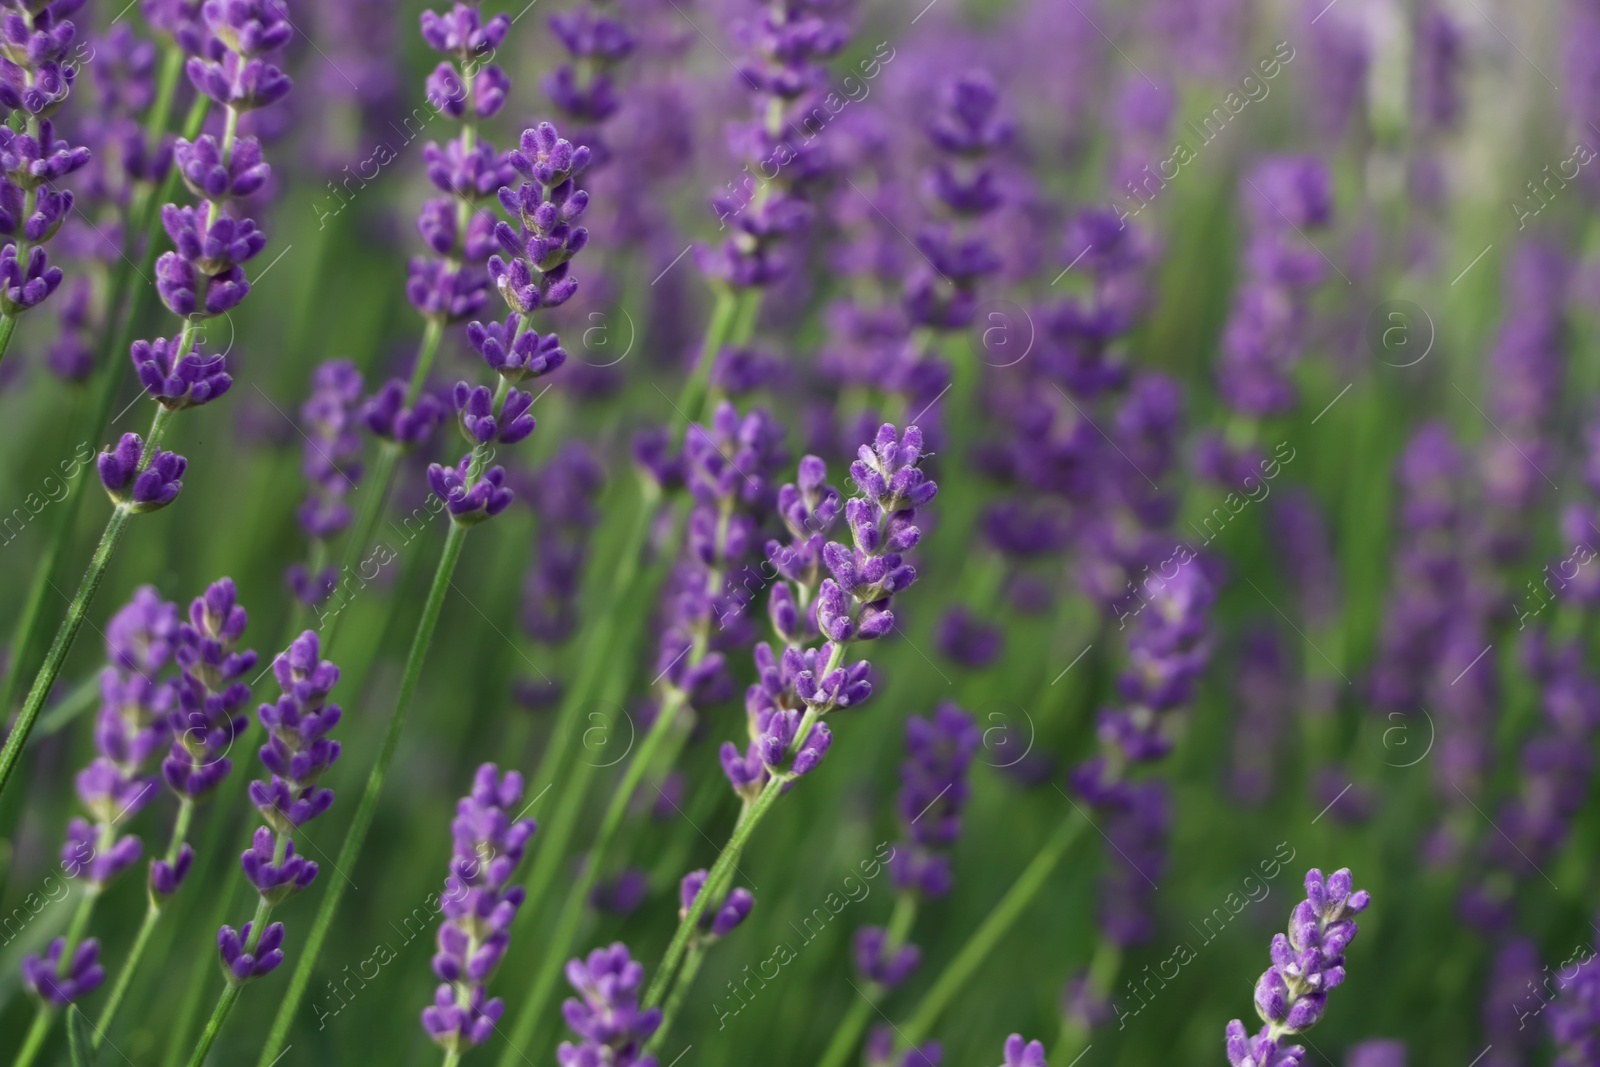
[478,907]
[608,1020]
[1306,965]
[295,755]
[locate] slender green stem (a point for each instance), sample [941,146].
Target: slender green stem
[43,1019]
[113,341]
[566,931]
[744,324]
[378,478]
[680,992]
[219,1015]
[356,836]
[991,930]
[62,644]
[451,1058]
[719,871]
[8,326]
[141,940]
[693,396]
[24,633]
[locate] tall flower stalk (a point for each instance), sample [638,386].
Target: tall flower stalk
[478,906]
[787,737]
[1307,965]
[297,753]
[727,467]
[533,274]
[140,224]
[450,285]
[202,277]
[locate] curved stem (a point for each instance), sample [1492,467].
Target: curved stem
[356,836]
[719,871]
[991,930]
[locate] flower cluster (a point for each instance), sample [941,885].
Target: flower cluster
[478,905]
[785,74]
[584,88]
[452,287]
[203,275]
[1575,1017]
[605,1015]
[717,919]
[728,467]
[132,724]
[331,463]
[933,790]
[1168,649]
[1307,965]
[295,755]
[966,131]
[210,693]
[537,275]
[1285,198]
[36,75]
[799,686]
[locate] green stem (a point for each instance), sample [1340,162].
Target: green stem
[219,1015]
[693,397]
[113,340]
[991,930]
[726,861]
[680,993]
[45,680]
[744,325]
[43,1019]
[8,326]
[377,480]
[141,940]
[566,931]
[356,836]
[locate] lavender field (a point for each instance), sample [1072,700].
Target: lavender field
[846,533]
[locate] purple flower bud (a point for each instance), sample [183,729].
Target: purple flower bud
[140,486]
[178,383]
[43,976]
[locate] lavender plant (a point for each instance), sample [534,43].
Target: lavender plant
[1307,964]
[297,753]
[478,907]
[202,277]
